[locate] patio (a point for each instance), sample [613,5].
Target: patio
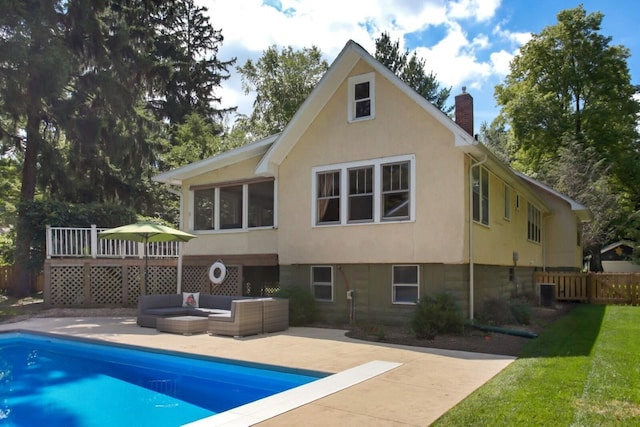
[426,384]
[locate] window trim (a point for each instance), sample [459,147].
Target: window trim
[482,171]
[394,285]
[351,197]
[351,102]
[330,284]
[534,223]
[377,190]
[245,206]
[507,202]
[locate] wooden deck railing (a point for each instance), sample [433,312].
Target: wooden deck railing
[78,242]
[595,288]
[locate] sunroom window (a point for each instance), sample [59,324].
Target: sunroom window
[231,207]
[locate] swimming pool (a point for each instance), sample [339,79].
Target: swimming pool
[47,380]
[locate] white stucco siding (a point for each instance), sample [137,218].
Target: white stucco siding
[400,128]
[561,234]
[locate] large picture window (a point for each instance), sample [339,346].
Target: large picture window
[377,190]
[405,284]
[480,178]
[322,282]
[232,207]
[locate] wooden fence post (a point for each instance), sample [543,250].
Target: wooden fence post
[591,287]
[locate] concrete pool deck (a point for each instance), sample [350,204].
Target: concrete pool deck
[425,384]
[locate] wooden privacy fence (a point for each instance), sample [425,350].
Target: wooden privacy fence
[595,288]
[6,273]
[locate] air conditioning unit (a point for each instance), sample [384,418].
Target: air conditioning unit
[546,294]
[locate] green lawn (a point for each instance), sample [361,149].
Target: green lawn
[584,370]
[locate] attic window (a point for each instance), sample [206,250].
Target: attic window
[361,97]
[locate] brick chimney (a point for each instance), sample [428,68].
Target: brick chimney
[464,111]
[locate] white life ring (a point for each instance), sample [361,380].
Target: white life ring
[217,272]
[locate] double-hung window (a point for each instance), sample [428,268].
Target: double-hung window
[405,284]
[534,223]
[507,202]
[369,191]
[480,178]
[328,201]
[361,97]
[361,194]
[234,206]
[395,190]
[322,282]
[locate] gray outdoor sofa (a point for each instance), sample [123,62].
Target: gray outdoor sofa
[228,315]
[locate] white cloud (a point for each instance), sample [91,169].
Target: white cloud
[500,62]
[479,10]
[515,38]
[250,27]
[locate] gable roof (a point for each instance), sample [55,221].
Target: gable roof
[617,244]
[324,90]
[275,148]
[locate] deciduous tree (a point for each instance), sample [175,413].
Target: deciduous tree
[570,80]
[281,80]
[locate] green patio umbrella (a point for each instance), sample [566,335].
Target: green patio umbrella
[146,232]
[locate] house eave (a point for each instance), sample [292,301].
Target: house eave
[478,151]
[582,212]
[228,158]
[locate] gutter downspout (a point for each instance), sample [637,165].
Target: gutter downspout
[179,273]
[471,280]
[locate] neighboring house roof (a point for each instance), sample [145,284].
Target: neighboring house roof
[581,211]
[615,245]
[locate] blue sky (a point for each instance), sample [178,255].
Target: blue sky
[465,42]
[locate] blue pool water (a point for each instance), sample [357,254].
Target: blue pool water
[50,381]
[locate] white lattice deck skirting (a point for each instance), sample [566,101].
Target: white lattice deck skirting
[119,282]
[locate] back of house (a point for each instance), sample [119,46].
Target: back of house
[371,198]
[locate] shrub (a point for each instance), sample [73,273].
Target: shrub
[495,311]
[521,311]
[498,311]
[302,305]
[436,315]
